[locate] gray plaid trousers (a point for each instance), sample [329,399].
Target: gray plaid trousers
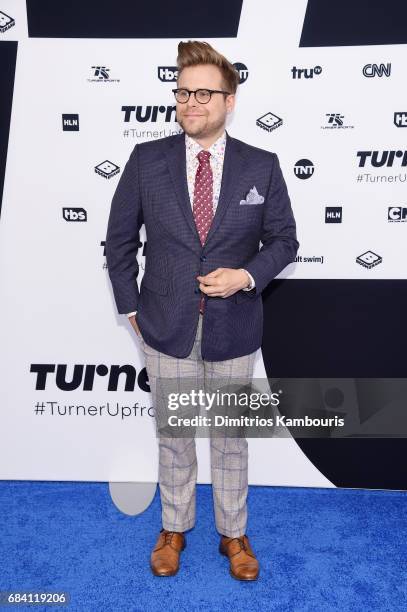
[177,456]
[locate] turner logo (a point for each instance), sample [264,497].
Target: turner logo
[74,214]
[397,214]
[149,113]
[243,72]
[372,70]
[307,73]
[70,123]
[304,169]
[6,22]
[400,119]
[378,159]
[167,74]
[84,377]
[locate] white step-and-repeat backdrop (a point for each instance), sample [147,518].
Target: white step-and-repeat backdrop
[74,400]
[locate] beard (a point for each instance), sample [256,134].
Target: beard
[203,128]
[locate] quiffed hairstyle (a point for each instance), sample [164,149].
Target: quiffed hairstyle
[196,52]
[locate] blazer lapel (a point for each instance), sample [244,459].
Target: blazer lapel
[233,166]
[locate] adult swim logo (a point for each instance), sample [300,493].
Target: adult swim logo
[379,70]
[400,119]
[101,75]
[334,121]
[397,214]
[306,73]
[6,22]
[378,159]
[304,169]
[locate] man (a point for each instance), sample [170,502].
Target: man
[207,201]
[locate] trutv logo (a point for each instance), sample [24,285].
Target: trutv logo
[84,377]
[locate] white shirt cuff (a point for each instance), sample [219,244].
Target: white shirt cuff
[252,283]
[130,314]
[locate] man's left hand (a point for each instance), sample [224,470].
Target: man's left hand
[223,282]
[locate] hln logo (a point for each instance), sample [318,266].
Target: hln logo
[70,123]
[372,70]
[333,214]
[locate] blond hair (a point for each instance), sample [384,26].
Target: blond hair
[196,52]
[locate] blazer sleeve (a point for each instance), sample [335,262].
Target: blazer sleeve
[123,237]
[279,240]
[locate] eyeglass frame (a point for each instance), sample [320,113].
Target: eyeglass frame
[190,91]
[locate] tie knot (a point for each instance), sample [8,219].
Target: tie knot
[203,157]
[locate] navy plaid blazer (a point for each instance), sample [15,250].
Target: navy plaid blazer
[153,190]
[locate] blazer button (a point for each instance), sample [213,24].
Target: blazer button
[203,258]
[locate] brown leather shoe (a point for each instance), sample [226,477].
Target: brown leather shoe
[165,556]
[243,563]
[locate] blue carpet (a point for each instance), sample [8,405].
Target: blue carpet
[319,550]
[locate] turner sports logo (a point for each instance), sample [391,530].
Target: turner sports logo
[378,159]
[85,377]
[101,75]
[142,114]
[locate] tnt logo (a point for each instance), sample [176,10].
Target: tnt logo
[243,72]
[397,214]
[307,73]
[74,214]
[304,169]
[269,122]
[333,214]
[400,119]
[369,259]
[372,70]
[70,123]
[107,169]
[6,22]
[167,74]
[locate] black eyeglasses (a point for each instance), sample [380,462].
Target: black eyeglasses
[201,95]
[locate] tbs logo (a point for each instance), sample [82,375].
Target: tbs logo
[74,214]
[167,74]
[400,119]
[70,123]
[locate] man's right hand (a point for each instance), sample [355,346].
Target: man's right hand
[134,325]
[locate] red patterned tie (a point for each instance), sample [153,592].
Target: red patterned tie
[203,202]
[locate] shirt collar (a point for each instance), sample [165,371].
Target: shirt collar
[217,149]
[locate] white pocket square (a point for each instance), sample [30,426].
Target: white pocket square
[253,197]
